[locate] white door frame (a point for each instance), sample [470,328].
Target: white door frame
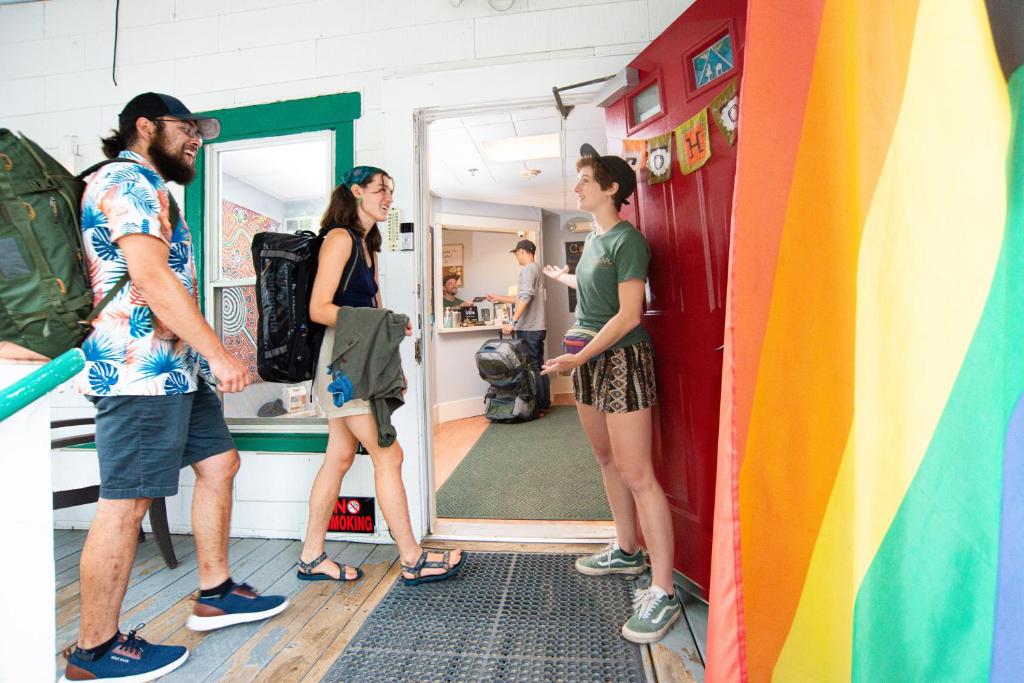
[470,530]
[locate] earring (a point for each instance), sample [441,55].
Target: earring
[359,200]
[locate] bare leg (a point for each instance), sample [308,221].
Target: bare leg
[394,505]
[341,452]
[620,499]
[630,435]
[211,515]
[105,566]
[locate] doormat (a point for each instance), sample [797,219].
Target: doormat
[544,469]
[506,617]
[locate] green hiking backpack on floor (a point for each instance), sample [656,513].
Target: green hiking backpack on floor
[45,300]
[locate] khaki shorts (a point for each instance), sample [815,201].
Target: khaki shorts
[352,407]
[619,381]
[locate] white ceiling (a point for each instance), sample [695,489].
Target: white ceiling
[455,147]
[290,172]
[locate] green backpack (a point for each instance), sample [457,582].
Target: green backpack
[45,300]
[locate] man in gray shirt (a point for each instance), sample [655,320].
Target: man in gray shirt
[528,316]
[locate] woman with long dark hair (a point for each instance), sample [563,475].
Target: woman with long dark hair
[612,364]
[351,237]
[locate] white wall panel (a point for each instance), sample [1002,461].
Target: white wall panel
[144,13]
[241,68]
[23,96]
[559,29]
[190,9]
[28,17]
[41,57]
[71,17]
[138,46]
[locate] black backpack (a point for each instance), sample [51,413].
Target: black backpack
[45,300]
[287,341]
[512,395]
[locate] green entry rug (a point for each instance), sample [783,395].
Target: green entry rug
[542,469]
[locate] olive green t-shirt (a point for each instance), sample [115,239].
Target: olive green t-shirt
[618,255]
[456,301]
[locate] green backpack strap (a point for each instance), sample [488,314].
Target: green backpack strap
[173,214]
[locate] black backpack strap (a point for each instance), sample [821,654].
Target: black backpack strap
[350,267]
[107,298]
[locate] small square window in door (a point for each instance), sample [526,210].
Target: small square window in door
[713,62]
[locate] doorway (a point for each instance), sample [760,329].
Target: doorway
[489,178]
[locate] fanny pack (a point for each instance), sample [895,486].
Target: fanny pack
[576,338]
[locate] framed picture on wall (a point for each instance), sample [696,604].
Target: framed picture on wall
[451,262]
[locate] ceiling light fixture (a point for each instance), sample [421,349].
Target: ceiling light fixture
[530,172]
[522,148]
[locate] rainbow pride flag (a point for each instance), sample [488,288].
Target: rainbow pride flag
[870,495]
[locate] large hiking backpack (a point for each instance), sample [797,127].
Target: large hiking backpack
[505,365]
[287,341]
[45,300]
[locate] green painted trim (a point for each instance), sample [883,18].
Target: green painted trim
[40,382]
[328,112]
[266,443]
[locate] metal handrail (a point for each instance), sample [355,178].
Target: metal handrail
[41,382]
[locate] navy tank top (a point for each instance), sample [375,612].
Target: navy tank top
[362,286]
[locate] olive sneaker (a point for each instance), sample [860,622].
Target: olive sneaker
[654,612]
[612,560]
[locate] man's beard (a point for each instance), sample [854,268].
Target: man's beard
[169,166]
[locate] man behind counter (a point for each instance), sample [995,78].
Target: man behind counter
[451,286]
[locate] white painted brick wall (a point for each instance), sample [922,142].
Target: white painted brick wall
[401,55]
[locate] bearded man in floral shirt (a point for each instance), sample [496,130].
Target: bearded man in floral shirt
[150,360]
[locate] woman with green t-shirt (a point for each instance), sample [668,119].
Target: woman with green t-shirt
[612,366]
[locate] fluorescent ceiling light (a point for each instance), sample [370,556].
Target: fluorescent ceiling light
[522,148]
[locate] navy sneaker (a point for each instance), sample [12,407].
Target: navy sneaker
[129,660]
[240,604]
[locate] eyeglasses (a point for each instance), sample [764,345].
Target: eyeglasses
[191,130]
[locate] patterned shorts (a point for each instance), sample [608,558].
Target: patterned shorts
[619,381]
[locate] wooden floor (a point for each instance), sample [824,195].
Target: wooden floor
[301,643]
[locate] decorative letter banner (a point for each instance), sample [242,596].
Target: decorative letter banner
[659,158]
[635,153]
[725,110]
[692,141]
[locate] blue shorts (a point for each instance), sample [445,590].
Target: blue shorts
[143,441]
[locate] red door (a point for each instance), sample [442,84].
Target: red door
[686,222]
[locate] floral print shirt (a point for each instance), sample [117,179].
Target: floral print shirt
[129,351]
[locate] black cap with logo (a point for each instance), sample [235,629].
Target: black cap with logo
[153,105]
[525,245]
[619,168]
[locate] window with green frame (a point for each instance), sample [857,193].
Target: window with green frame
[272,168]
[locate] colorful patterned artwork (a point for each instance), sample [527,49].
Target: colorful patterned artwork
[714,62]
[238,325]
[238,225]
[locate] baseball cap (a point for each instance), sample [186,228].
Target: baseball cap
[525,245]
[153,105]
[619,168]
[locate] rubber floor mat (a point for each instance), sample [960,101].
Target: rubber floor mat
[506,617]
